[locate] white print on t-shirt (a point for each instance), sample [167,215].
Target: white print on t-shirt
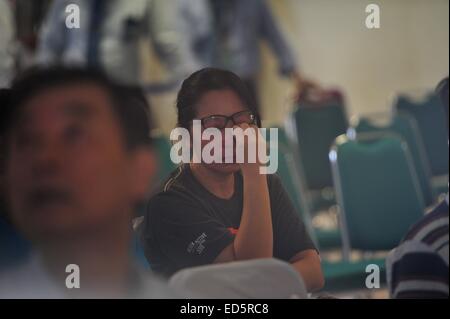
[197,245]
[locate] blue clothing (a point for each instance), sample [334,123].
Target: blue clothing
[13,248]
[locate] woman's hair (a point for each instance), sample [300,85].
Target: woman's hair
[205,80]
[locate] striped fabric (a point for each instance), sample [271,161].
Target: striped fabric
[418,268]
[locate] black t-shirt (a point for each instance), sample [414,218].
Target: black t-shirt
[186,225]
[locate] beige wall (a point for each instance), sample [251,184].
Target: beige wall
[409,51]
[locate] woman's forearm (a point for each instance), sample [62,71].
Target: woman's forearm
[307,264]
[255,236]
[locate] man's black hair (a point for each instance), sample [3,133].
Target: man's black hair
[128,103]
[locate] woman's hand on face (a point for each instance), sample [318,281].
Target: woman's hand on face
[251,143]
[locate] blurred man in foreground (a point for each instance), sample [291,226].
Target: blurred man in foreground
[78,161]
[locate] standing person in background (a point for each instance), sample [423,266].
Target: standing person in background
[29,16]
[226,34]
[109,36]
[6,42]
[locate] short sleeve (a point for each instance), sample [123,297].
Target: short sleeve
[290,234]
[184,232]
[414,270]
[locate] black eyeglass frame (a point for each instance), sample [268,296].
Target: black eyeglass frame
[229,118]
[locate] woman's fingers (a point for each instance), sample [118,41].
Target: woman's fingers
[250,142]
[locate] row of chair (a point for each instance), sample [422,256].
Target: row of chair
[381,177]
[421,123]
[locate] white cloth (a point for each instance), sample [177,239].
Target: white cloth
[254,279]
[30,280]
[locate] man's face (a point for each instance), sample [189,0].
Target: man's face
[68,170]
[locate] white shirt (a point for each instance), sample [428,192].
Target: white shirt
[30,280]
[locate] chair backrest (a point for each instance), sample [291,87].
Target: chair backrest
[162,148]
[377,190]
[259,278]
[316,127]
[290,178]
[406,127]
[431,120]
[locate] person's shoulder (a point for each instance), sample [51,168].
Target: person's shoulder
[169,203]
[178,180]
[174,196]
[414,265]
[436,220]
[173,185]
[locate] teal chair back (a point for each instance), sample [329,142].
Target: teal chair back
[431,120]
[377,191]
[162,146]
[316,129]
[406,127]
[289,175]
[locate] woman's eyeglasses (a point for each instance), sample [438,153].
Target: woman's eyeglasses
[221,121]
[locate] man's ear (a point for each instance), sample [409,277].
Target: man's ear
[143,170]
